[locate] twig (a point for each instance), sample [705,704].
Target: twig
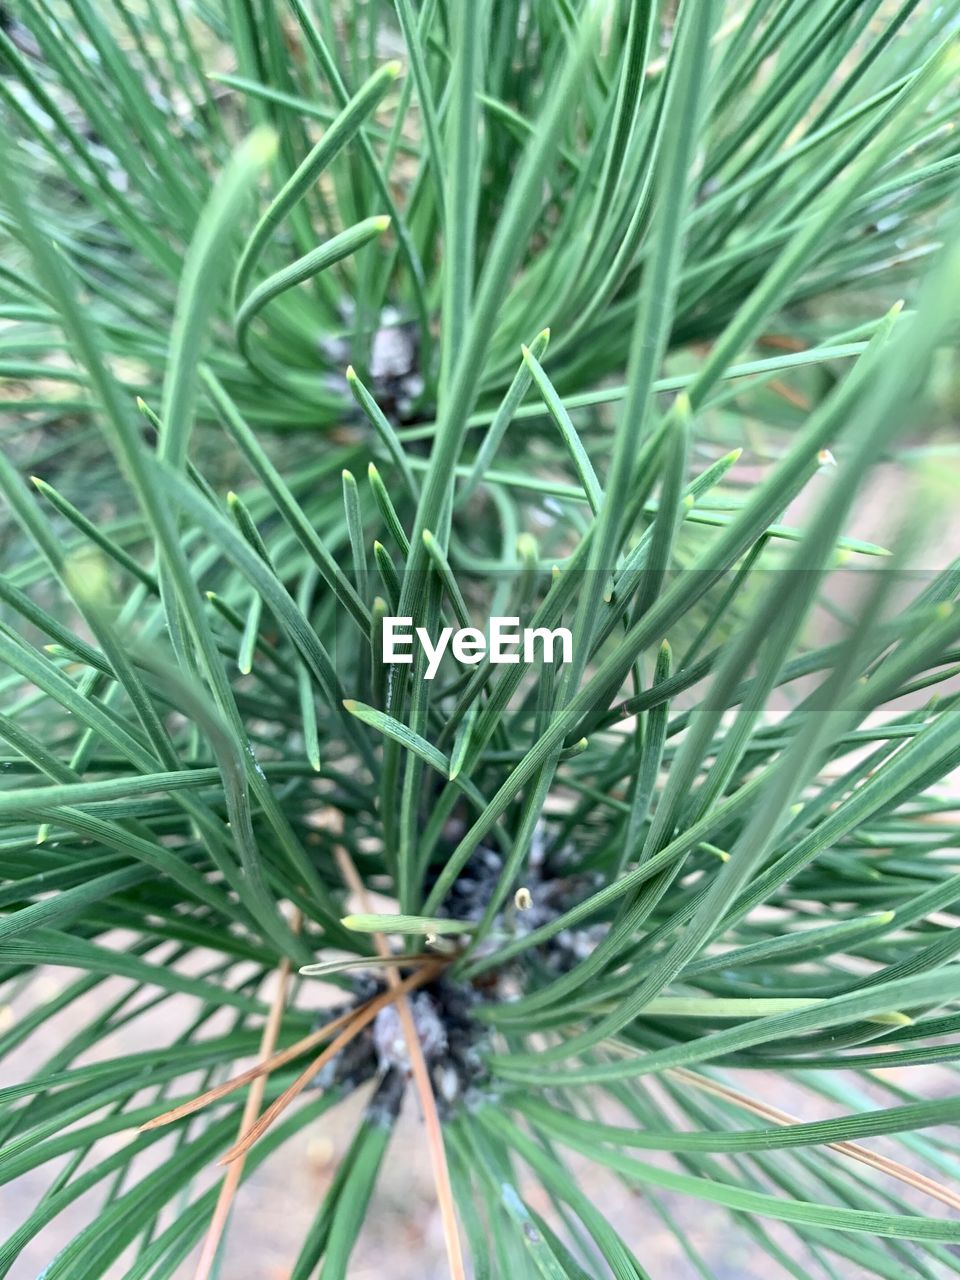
[421,1080]
[919,1181]
[358,1020]
[263,1068]
[796,398]
[251,1108]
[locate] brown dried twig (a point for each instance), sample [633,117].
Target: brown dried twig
[359,1018]
[422,1083]
[263,1068]
[893,1168]
[228,1188]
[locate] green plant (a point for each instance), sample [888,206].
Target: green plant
[713,840]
